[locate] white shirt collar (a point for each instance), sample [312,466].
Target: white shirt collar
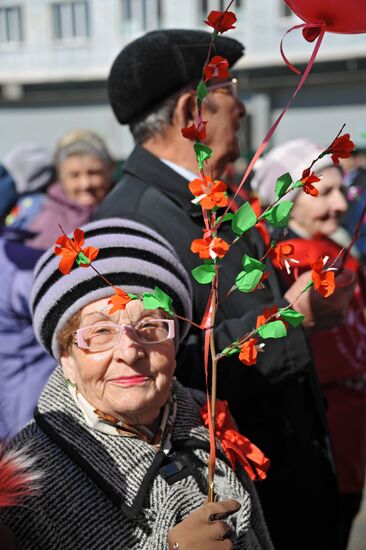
[186,174]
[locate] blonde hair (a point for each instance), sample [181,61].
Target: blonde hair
[81,142]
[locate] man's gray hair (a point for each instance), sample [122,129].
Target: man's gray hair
[154,122]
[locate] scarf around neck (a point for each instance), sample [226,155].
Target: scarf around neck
[110,425]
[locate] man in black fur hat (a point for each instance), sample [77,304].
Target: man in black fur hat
[277,403]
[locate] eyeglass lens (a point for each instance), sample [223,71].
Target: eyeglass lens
[105,335]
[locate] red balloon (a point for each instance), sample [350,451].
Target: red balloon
[341,16]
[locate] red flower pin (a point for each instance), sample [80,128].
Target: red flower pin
[208,192]
[248,352]
[221,21]
[71,251]
[307,181]
[208,248]
[218,67]
[341,148]
[195,131]
[324,282]
[119,300]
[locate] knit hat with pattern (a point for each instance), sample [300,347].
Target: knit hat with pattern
[131,256]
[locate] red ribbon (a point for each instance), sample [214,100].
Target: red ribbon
[236,447]
[271,131]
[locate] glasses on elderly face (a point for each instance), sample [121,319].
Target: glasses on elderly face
[231,85]
[107,335]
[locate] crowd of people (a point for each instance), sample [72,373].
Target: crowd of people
[108,403]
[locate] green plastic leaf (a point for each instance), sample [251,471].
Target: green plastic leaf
[202,153]
[282,184]
[309,284]
[230,350]
[243,219]
[81,259]
[157,300]
[250,264]
[133,296]
[279,215]
[228,217]
[276,329]
[204,274]
[293,318]
[247,281]
[201,90]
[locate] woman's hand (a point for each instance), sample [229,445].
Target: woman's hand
[204,529]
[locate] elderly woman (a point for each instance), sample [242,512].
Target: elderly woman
[84,177]
[120,442]
[340,353]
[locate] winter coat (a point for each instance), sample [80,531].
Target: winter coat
[24,365]
[100,491]
[277,403]
[57,209]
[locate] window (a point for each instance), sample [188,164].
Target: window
[285,11]
[71,20]
[11,25]
[141,15]
[218,5]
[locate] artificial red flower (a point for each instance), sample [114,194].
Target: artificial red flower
[195,131]
[324,282]
[341,148]
[248,352]
[236,446]
[282,253]
[218,67]
[209,248]
[221,21]
[267,313]
[119,300]
[307,180]
[208,192]
[71,251]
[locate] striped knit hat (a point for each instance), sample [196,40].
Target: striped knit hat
[131,256]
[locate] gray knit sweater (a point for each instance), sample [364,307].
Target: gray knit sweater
[103,492]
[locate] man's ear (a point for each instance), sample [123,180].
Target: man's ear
[68,366]
[185,110]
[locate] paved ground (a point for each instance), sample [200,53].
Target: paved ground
[358,535]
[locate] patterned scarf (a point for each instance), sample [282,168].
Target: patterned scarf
[108,424]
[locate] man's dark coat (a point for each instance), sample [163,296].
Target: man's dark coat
[276,403]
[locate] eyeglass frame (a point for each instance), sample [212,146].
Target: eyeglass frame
[80,342]
[232,83]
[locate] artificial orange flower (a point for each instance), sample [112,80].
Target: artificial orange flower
[341,147]
[324,282]
[267,313]
[307,180]
[282,253]
[208,192]
[221,21]
[248,352]
[71,251]
[119,300]
[209,248]
[218,67]
[195,131]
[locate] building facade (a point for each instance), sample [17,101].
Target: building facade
[55,56]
